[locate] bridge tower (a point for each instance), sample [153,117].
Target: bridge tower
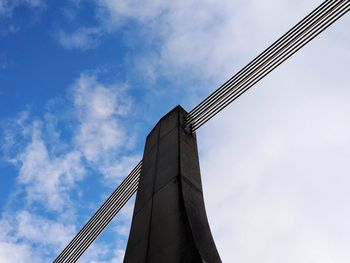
[169,223]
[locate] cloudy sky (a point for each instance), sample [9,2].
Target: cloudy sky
[83,82]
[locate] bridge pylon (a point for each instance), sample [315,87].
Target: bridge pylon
[169,222]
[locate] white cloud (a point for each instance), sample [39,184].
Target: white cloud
[279,181]
[202,41]
[113,13]
[110,16]
[99,253]
[100,134]
[116,170]
[39,230]
[97,107]
[277,174]
[50,166]
[28,237]
[16,253]
[83,38]
[48,178]
[275,163]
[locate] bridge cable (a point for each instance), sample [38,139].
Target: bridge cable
[240,83]
[95,221]
[252,65]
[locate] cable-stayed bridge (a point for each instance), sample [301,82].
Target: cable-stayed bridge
[178,163]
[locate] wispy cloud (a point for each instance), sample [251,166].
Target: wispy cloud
[11,252]
[100,134]
[83,38]
[24,230]
[26,236]
[48,167]
[203,42]
[98,108]
[7,6]
[9,24]
[52,160]
[42,230]
[47,176]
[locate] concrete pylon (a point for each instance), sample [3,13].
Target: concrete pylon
[169,223]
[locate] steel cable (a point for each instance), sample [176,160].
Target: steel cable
[90,225]
[94,234]
[261,58]
[262,72]
[333,7]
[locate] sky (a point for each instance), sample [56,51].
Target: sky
[83,82]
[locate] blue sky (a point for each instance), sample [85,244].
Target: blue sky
[83,82]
